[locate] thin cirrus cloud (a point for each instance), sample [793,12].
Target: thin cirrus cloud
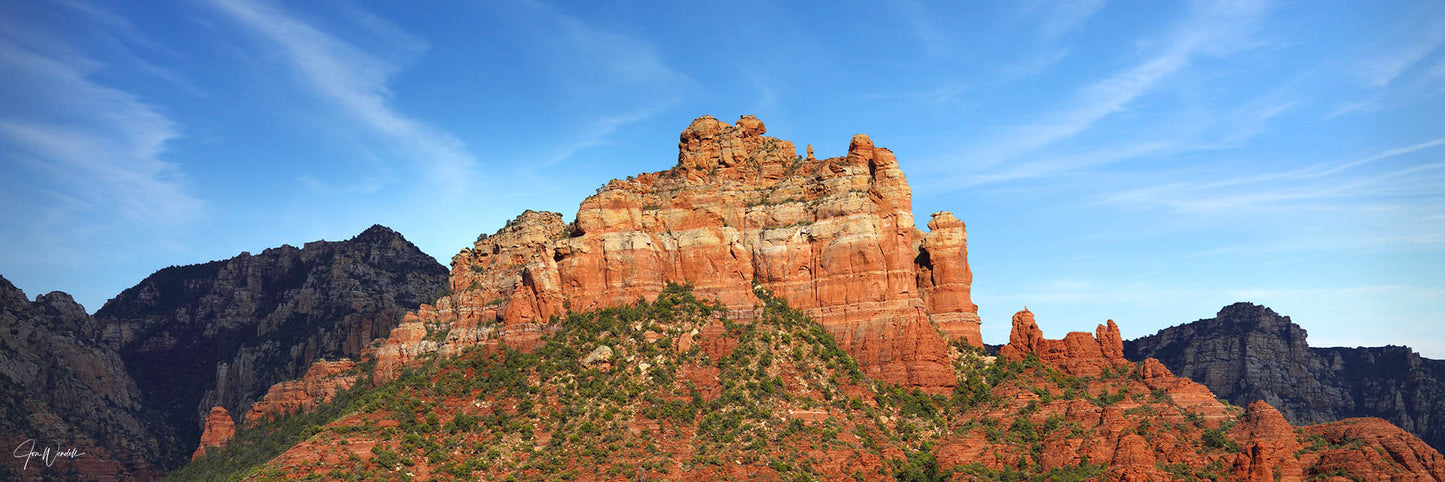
[1310,184]
[356,82]
[1210,29]
[1383,68]
[1058,18]
[96,147]
[628,74]
[597,134]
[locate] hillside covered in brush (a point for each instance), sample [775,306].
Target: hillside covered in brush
[677,389]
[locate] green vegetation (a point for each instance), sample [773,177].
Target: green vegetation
[770,394]
[1214,439]
[255,445]
[1082,472]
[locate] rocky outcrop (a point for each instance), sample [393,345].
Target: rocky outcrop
[219,430]
[221,333]
[1269,447]
[318,386]
[1392,450]
[834,237]
[61,388]
[1078,353]
[772,398]
[1248,352]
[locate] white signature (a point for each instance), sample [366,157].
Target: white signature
[24,452]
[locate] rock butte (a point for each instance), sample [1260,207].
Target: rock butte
[219,429]
[834,237]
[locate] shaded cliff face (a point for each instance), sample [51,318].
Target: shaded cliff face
[63,388]
[1248,352]
[833,237]
[221,333]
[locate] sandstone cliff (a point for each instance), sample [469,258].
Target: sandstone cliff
[834,237]
[219,429]
[63,388]
[221,333]
[320,383]
[1248,352]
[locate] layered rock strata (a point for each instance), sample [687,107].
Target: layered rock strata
[835,237]
[221,333]
[219,430]
[318,386]
[62,388]
[1268,447]
[1078,353]
[1248,352]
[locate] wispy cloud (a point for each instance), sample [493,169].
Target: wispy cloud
[623,58]
[1212,29]
[103,145]
[356,82]
[1382,68]
[596,134]
[1057,165]
[1060,17]
[1311,183]
[921,24]
[624,79]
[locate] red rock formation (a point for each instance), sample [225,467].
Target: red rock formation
[219,429]
[1079,353]
[1355,441]
[1269,442]
[320,383]
[834,237]
[946,286]
[1182,391]
[1134,460]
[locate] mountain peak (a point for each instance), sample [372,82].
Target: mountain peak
[377,232]
[835,237]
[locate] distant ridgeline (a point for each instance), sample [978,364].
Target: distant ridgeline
[1248,352]
[148,367]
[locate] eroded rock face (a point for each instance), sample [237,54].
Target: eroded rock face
[834,237]
[219,430]
[221,333]
[62,388]
[1046,418]
[1248,352]
[1399,453]
[1269,447]
[318,386]
[1079,353]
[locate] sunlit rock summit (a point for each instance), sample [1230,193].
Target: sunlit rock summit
[834,237]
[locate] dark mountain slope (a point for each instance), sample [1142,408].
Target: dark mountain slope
[221,333]
[1248,352]
[62,388]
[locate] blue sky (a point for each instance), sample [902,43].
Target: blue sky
[1143,161]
